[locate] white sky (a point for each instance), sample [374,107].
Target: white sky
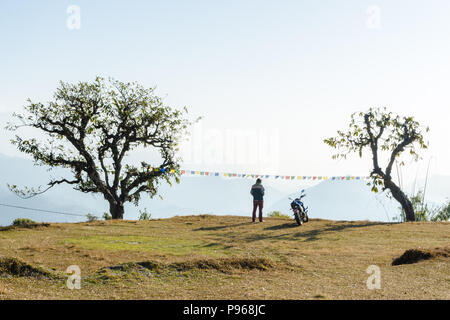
[288,74]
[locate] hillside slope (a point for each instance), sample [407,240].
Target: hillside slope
[225,257]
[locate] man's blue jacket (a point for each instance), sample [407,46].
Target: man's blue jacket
[257,192]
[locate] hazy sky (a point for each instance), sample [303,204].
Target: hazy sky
[279,75]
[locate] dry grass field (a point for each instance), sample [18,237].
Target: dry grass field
[225,257]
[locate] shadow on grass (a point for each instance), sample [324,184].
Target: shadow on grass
[215,228]
[308,235]
[283,226]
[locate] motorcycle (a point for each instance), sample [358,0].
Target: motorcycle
[299,209]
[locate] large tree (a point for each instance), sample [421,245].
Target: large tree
[92,128]
[382,131]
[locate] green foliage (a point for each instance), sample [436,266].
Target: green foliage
[374,124]
[91,217]
[277,214]
[422,210]
[107,216]
[443,214]
[425,212]
[23,222]
[144,215]
[379,131]
[92,128]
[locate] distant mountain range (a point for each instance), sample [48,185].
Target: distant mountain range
[342,200]
[337,200]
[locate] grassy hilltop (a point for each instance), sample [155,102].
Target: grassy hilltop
[225,257]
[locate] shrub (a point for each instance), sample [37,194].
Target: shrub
[277,214]
[91,217]
[424,212]
[443,214]
[23,222]
[107,216]
[144,215]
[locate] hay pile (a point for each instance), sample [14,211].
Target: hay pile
[416,255]
[15,267]
[225,265]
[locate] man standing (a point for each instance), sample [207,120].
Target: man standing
[257,192]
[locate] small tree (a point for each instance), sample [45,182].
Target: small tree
[144,215]
[379,130]
[90,217]
[91,128]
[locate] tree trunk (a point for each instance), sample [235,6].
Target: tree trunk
[401,197]
[116,210]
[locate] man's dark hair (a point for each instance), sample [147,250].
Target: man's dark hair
[258,180]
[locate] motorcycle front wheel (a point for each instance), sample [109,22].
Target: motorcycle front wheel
[297,217]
